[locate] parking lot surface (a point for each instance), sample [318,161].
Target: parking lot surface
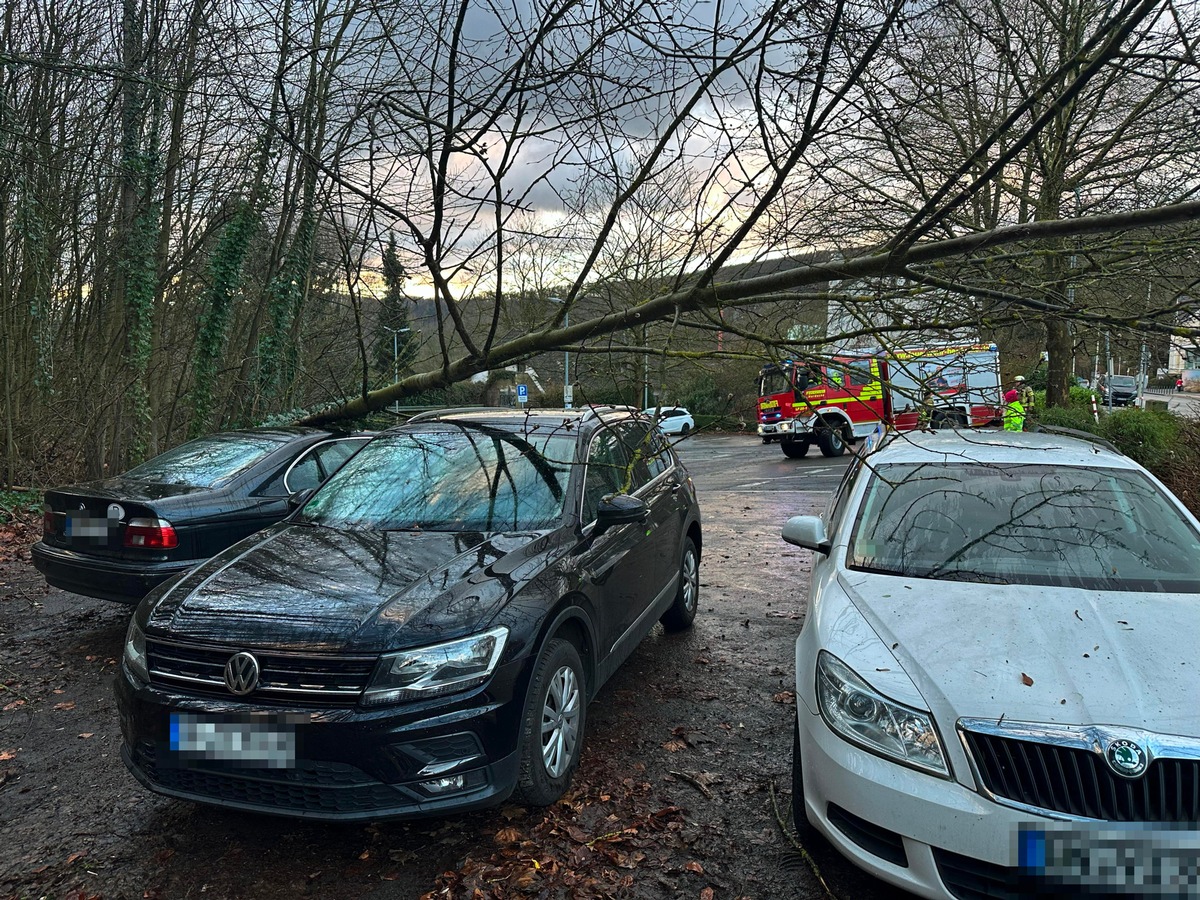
[684,779]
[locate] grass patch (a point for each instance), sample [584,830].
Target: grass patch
[19,504]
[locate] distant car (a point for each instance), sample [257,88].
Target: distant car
[424,635]
[1122,387]
[116,539]
[996,679]
[672,419]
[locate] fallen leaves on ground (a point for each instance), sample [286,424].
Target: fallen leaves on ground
[1026,680]
[18,534]
[587,845]
[508,835]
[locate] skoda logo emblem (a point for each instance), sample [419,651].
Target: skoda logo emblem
[241,673]
[1126,758]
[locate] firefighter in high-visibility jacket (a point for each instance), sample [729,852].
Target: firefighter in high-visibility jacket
[1014,412]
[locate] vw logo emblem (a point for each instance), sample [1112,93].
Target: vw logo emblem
[241,673]
[1126,758]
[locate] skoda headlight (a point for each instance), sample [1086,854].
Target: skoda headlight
[863,716]
[436,670]
[135,651]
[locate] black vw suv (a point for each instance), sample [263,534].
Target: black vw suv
[424,632]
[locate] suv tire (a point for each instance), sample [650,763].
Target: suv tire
[552,726]
[682,612]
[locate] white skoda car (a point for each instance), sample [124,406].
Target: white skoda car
[998,683]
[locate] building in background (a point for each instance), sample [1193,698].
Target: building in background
[1184,357]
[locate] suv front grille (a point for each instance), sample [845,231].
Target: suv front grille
[319,787]
[283,677]
[1078,782]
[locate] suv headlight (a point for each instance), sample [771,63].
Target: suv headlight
[863,716]
[135,651]
[432,671]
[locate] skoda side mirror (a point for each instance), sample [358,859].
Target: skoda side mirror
[619,509]
[807,532]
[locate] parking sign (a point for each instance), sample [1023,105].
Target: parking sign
[522,393]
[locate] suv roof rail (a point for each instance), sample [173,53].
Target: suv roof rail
[449,411]
[1077,433]
[594,411]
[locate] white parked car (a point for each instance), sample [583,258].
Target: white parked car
[997,678]
[672,419]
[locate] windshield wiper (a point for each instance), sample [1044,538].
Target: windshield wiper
[964,575]
[879,570]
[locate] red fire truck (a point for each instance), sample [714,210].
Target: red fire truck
[850,396]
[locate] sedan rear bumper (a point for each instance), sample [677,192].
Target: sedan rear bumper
[124,581]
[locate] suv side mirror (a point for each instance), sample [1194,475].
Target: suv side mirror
[807,532]
[298,498]
[619,509]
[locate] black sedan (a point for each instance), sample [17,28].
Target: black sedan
[425,633]
[116,539]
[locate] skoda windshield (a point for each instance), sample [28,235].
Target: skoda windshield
[1100,529]
[449,478]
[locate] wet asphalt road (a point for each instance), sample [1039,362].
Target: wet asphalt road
[737,464]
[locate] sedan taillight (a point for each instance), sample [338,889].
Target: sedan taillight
[150,534]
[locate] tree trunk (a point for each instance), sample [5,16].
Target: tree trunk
[1060,347]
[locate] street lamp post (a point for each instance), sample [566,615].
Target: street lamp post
[396,332]
[567,394]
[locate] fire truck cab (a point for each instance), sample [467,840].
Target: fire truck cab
[840,400]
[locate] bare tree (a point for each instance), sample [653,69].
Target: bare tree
[653,170]
[943,144]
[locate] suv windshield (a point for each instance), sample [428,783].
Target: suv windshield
[208,461]
[1122,381]
[1101,529]
[458,478]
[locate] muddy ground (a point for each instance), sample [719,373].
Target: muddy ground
[684,779]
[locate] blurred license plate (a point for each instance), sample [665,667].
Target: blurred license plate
[1148,861]
[81,525]
[247,742]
